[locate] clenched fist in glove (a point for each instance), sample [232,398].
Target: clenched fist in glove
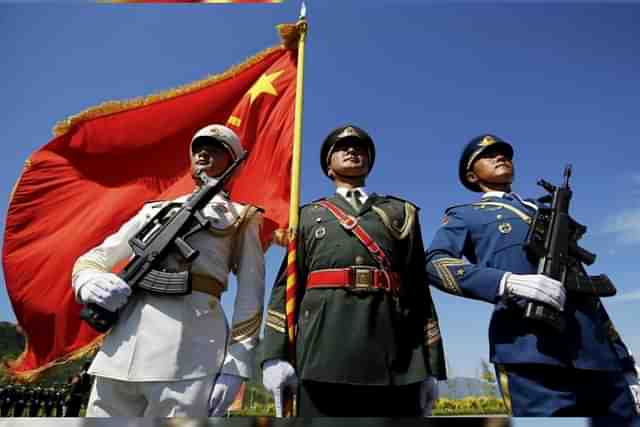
[105,289]
[276,376]
[536,287]
[224,391]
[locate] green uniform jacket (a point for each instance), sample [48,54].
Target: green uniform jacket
[363,337]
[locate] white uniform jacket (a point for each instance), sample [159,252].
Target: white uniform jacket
[166,338]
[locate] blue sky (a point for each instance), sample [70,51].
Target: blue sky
[557,80]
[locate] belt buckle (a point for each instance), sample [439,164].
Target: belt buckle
[362,278]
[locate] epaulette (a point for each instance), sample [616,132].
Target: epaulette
[446,211]
[248,205]
[388,196]
[154,203]
[314,201]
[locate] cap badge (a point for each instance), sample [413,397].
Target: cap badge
[348,131]
[486,141]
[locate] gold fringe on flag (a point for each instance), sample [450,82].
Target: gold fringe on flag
[289,35]
[33,374]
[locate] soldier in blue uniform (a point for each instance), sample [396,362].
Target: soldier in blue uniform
[368,341]
[478,253]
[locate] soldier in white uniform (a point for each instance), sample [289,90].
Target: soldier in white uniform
[175,355]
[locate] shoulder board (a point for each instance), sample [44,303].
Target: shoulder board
[315,201]
[387,196]
[312,204]
[450,208]
[154,203]
[247,205]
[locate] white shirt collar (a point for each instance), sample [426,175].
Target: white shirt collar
[343,192]
[501,194]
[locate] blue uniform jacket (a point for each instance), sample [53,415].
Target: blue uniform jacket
[475,246]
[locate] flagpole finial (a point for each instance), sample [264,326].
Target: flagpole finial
[303,11]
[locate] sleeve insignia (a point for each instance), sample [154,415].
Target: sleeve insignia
[449,281]
[277,321]
[247,328]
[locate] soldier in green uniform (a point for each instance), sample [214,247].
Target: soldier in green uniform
[368,341]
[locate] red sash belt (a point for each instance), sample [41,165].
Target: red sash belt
[356,278]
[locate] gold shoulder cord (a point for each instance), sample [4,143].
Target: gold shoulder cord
[409,220]
[238,227]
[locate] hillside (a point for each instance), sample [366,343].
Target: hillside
[12,344]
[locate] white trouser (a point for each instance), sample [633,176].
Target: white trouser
[114,398]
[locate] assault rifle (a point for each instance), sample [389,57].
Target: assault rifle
[165,232]
[552,241]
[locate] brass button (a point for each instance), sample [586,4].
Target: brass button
[359,260]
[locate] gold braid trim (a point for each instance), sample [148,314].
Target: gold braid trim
[247,328]
[276,327]
[448,280]
[288,33]
[81,265]
[277,314]
[504,387]
[33,374]
[276,321]
[409,218]
[240,224]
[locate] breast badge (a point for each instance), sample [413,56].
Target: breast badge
[320,232]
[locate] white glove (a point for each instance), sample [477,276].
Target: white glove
[428,395]
[537,287]
[223,393]
[105,289]
[278,374]
[633,379]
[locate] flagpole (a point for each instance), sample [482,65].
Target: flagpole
[294,204]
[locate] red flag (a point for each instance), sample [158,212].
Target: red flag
[104,163]
[197,1]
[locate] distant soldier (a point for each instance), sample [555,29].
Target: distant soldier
[59,400]
[6,402]
[78,388]
[34,396]
[20,401]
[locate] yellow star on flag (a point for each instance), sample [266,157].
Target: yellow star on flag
[264,85]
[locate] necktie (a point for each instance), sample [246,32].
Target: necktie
[354,198]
